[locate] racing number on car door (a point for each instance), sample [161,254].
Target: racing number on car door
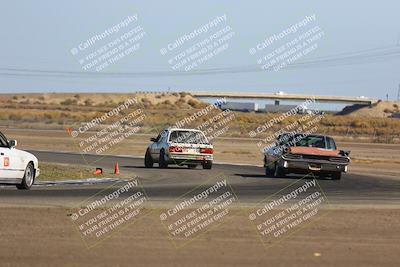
[5,171]
[6,162]
[11,162]
[4,158]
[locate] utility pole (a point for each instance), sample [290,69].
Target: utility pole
[398,94]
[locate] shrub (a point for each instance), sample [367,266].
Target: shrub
[15,117]
[359,124]
[180,103]
[145,100]
[69,102]
[88,102]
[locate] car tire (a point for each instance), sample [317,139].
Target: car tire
[148,160]
[336,176]
[192,166]
[29,178]
[207,165]
[162,163]
[268,171]
[278,171]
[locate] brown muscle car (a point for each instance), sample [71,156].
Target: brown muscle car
[303,154]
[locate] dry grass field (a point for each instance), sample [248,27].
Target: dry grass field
[61,111]
[345,237]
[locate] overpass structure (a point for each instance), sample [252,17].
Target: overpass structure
[293,97]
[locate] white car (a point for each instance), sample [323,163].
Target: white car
[181,147]
[16,166]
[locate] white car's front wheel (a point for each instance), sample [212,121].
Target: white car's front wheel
[28,179]
[148,160]
[162,163]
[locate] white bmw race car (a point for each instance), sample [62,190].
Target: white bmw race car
[16,166]
[181,147]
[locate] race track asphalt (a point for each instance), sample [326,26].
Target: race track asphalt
[248,182]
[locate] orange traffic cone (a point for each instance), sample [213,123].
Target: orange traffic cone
[116,169]
[98,171]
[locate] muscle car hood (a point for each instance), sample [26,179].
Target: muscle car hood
[313,151]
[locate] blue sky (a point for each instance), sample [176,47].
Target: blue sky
[39,35]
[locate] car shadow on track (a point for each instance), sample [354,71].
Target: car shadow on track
[156,168]
[291,176]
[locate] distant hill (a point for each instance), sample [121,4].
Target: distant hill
[178,100]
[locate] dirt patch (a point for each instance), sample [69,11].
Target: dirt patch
[379,110]
[346,237]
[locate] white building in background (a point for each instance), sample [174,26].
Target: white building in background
[240,106]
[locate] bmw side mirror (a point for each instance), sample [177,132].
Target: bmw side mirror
[12,143]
